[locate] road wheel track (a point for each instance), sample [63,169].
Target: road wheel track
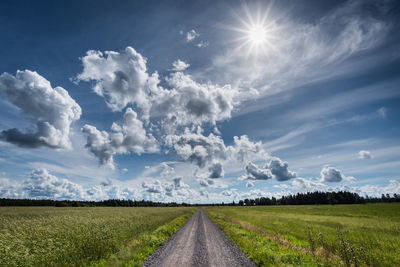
[199,242]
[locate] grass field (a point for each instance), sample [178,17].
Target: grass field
[347,235]
[49,236]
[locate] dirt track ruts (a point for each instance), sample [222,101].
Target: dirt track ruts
[199,242]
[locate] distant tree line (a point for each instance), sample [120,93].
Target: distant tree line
[78,203]
[319,198]
[310,198]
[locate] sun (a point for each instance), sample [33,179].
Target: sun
[257,31]
[257,34]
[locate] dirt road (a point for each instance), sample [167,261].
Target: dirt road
[199,242]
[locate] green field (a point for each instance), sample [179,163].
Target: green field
[346,235]
[50,236]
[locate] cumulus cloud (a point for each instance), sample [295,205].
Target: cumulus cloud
[8,189]
[206,182]
[376,190]
[307,185]
[130,136]
[202,44]
[329,174]
[189,102]
[231,193]
[244,150]
[216,170]
[191,35]
[179,65]
[51,110]
[275,168]
[212,153]
[332,175]
[253,172]
[166,170]
[176,189]
[107,182]
[178,183]
[120,77]
[364,154]
[256,193]
[155,187]
[197,148]
[42,185]
[249,184]
[280,170]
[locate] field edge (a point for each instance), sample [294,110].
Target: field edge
[144,245]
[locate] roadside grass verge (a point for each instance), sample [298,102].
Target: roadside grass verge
[346,235]
[140,248]
[261,249]
[51,236]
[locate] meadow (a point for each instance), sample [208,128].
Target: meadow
[90,236]
[320,235]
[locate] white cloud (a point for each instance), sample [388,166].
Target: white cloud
[155,187]
[107,182]
[244,150]
[253,172]
[216,170]
[333,175]
[191,35]
[8,189]
[125,138]
[256,193]
[120,77]
[176,190]
[299,52]
[377,190]
[329,174]
[249,184]
[189,102]
[307,185]
[382,112]
[202,44]
[211,183]
[197,148]
[275,168]
[211,152]
[280,170]
[42,185]
[166,170]
[364,154]
[51,110]
[231,193]
[179,65]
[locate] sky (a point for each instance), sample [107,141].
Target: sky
[198,101]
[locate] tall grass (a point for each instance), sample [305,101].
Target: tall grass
[49,236]
[348,235]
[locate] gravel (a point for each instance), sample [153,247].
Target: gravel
[199,242]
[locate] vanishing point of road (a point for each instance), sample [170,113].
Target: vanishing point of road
[199,242]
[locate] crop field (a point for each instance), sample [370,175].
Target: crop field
[93,236]
[341,235]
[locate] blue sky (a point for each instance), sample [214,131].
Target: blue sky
[198,101]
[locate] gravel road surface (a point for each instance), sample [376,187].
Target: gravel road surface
[199,242]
